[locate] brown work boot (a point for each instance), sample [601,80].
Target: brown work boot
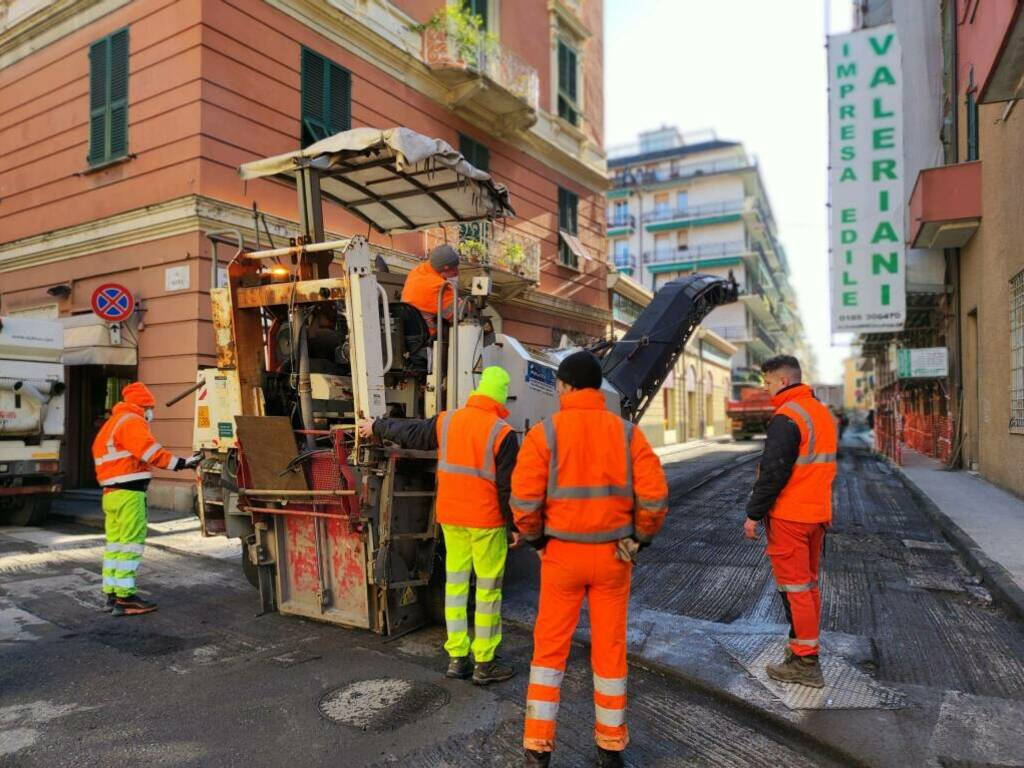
[459,668]
[486,672]
[802,670]
[132,606]
[533,759]
[607,758]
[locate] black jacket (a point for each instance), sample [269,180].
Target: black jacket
[421,435]
[781,450]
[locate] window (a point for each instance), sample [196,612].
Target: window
[621,249]
[476,153]
[326,98]
[661,206]
[568,87]
[972,127]
[1017,353]
[479,8]
[108,98]
[682,201]
[620,214]
[568,204]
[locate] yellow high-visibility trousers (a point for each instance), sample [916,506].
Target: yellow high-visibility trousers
[482,551]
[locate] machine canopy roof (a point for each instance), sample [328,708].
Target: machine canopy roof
[396,180]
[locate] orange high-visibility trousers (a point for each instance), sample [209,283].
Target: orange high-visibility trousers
[795,553]
[569,571]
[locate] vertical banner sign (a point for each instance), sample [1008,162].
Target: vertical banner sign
[866,181]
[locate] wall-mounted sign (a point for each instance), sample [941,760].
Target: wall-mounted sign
[176,278]
[866,181]
[925,363]
[113,302]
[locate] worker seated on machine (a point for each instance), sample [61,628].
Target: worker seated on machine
[424,285]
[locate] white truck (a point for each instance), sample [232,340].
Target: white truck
[31,418]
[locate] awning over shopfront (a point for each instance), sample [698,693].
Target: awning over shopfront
[87,341]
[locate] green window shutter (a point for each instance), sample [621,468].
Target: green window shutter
[326,99]
[98,68]
[108,98]
[476,153]
[568,97]
[972,127]
[568,204]
[119,94]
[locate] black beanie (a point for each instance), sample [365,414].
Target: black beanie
[580,370]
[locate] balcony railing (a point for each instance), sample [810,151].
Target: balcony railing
[624,261]
[693,211]
[485,244]
[444,50]
[707,251]
[634,178]
[622,221]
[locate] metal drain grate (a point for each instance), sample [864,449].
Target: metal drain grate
[846,687]
[382,704]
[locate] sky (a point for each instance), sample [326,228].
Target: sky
[753,71]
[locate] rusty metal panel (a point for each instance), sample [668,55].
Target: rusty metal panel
[343,596]
[301,292]
[220,307]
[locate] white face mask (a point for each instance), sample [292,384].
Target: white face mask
[149,414]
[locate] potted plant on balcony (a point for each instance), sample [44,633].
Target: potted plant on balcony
[473,251]
[514,255]
[455,37]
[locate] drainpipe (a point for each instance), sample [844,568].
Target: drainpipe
[213,237]
[304,388]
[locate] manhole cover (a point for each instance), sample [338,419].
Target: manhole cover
[382,704]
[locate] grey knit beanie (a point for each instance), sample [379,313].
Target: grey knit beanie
[444,256]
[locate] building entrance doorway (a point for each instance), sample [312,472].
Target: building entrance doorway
[93,390]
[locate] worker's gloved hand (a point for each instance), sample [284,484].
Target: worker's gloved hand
[190,463]
[626,549]
[365,428]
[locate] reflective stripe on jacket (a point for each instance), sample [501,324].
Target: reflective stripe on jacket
[421,289]
[468,441]
[588,475]
[125,449]
[807,496]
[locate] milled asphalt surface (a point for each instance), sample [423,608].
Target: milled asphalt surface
[205,682]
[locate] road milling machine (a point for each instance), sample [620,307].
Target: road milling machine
[313,336]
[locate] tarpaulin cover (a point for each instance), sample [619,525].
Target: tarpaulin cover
[397,180]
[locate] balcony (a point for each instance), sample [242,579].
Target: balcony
[639,177]
[736,333]
[692,215]
[945,206]
[621,224]
[483,74]
[625,262]
[696,257]
[511,258]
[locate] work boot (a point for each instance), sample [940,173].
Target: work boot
[607,758]
[132,606]
[459,668]
[802,670]
[486,672]
[534,759]
[108,602]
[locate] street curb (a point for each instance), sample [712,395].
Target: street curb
[994,576]
[730,699]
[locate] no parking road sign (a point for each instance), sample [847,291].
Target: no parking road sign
[112,302]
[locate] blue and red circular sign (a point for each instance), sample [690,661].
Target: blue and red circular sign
[113,302]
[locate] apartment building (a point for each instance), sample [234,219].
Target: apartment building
[122,125]
[684,204]
[693,398]
[858,384]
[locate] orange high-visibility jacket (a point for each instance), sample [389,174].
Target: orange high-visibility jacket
[125,449]
[422,287]
[807,496]
[468,441]
[588,475]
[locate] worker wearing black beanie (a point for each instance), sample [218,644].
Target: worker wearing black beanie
[580,370]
